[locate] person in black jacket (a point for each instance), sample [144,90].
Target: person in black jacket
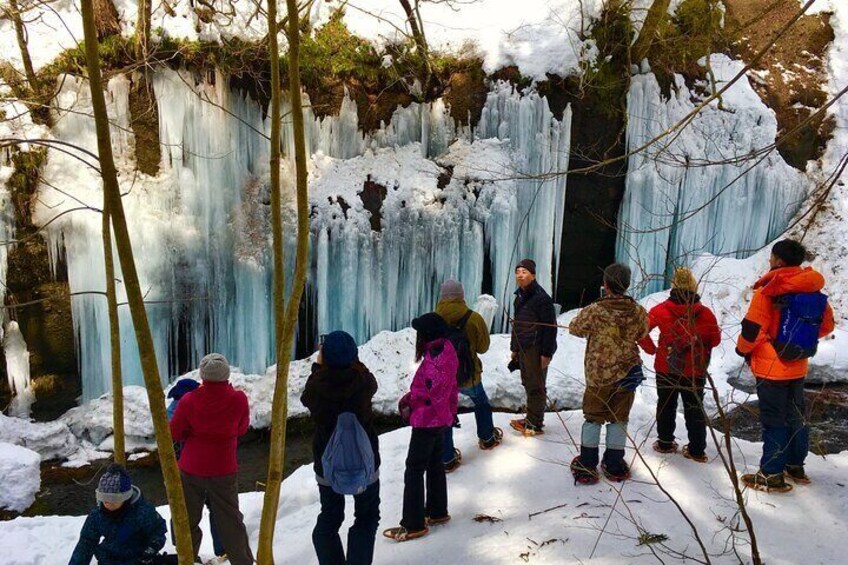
[341,383]
[533,344]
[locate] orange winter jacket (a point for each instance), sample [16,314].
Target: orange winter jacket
[760,325]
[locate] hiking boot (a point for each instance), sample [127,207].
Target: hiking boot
[766,483]
[493,442]
[797,474]
[438,521]
[582,474]
[697,458]
[454,463]
[665,447]
[616,472]
[402,534]
[526,428]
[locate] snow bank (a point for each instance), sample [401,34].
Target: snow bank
[21,473]
[51,440]
[528,476]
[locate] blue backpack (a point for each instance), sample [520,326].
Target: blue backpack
[801,317]
[348,460]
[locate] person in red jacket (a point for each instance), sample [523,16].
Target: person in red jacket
[780,381]
[208,421]
[688,334]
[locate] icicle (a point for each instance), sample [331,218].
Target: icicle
[17,371]
[677,205]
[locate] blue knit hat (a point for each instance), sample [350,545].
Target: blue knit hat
[339,350]
[115,485]
[183,387]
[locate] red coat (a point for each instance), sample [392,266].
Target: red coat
[665,316]
[209,422]
[760,325]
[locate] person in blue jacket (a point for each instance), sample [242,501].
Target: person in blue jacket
[124,529]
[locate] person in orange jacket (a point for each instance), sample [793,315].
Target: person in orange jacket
[770,331]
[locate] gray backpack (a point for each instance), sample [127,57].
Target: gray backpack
[348,460]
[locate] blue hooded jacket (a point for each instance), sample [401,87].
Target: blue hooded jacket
[133,534]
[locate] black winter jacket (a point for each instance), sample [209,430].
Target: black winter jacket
[533,305]
[328,393]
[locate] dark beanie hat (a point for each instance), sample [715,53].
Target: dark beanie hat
[430,326]
[115,485]
[528,264]
[789,251]
[339,350]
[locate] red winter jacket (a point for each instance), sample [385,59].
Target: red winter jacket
[665,316]
[209,422]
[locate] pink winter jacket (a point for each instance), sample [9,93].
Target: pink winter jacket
[434,394]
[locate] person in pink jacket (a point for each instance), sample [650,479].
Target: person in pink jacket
[432,400]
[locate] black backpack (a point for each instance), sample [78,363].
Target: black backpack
[457,337]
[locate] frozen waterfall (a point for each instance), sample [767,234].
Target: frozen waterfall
[700,189]
[452,202]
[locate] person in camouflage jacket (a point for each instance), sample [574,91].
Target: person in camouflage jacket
[612,326]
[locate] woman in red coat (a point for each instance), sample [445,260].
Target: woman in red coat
[688,334]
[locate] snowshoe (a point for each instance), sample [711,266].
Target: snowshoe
[582,475]
[438,521]
[797,474]
[526,428]
[454,463]
[616,473]
[664,447]
[766,483]
[697,458]
[493,442]
[402,534]
[218,560]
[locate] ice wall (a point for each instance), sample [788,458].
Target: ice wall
[454,199]
[706,187]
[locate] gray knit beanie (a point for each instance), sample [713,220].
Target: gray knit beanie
[451,289]
[214,368]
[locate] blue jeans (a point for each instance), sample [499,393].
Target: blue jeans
[360,536]
[786,438]
[482,415]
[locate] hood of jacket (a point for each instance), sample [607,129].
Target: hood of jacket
[339,384]
[452,310]
[787,280]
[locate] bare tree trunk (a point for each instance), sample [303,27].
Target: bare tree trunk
[142,30]
[656,14]
[284,321]
[416,26]
[106,19]
[20,33]
[730,467]
[150,370]
[119,452]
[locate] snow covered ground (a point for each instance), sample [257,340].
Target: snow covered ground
[21,472]
[597,524]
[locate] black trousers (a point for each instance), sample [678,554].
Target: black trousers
[691,391]
[424,457]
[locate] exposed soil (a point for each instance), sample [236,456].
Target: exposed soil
[827,414]
[791,78]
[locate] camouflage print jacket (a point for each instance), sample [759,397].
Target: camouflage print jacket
[612,327]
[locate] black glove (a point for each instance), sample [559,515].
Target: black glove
[513,365]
